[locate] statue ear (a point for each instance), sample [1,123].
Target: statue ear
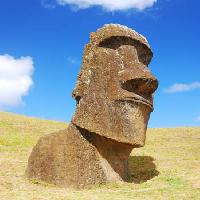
[77,94]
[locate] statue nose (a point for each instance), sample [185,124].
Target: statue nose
[142,86]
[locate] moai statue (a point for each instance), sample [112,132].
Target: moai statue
[114,95]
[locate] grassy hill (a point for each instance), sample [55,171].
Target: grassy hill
[168,167]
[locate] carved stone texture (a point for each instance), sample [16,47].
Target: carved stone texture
[114,95]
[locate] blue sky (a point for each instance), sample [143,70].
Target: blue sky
[47,38]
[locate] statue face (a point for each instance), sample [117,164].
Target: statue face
[118,98]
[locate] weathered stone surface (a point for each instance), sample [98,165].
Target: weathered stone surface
[114,88]
[114,95]
[75,158]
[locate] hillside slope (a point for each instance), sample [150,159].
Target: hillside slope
[166,168]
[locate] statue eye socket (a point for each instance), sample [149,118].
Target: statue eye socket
[144,53]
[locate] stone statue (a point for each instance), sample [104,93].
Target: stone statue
[114,95]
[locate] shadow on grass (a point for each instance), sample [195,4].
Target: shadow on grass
[141,169]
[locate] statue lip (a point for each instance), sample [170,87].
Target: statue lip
[140,100]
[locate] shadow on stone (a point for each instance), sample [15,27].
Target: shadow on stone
[141,169]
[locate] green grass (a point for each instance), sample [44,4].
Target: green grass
[168,167]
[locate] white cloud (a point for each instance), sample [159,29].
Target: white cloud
[50,4]
[181,87]
[110,5]
[198,119]
[15,80]
[73,60]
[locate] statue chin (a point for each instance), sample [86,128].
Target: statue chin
[134,118]
[138,120]
[120,121]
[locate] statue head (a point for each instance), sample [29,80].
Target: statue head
[114,91]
